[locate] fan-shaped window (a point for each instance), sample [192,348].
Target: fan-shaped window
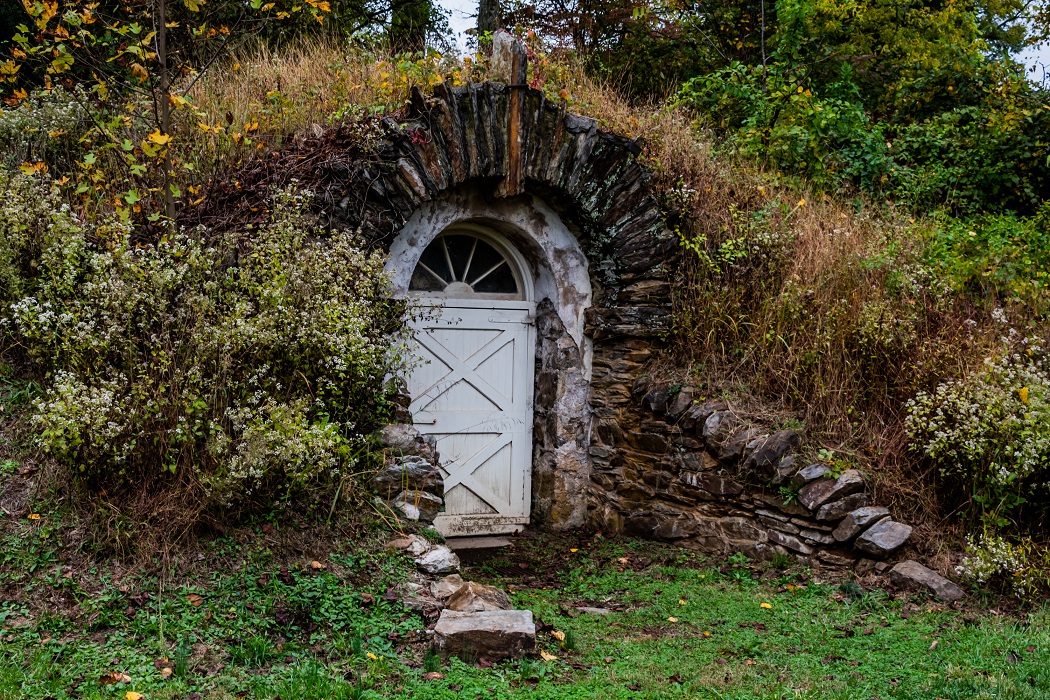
[460,265]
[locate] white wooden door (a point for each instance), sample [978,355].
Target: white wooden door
[472,389]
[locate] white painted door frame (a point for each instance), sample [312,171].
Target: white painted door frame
[474,393]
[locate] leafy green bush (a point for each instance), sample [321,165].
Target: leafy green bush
[771,112]
[989,433]
[242,370]
[994,254]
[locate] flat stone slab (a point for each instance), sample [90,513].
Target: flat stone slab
[480,542]
[883,538]
[856,522]
[492,635]
[825,490]
[912,574]
[837,510]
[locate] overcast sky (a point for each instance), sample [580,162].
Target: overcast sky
[463,15]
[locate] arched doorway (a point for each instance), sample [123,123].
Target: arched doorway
[472,386]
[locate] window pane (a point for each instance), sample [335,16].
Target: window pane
[459,250]
[474,262]
[423,281]
[499,281]
[485,258]
[434,258]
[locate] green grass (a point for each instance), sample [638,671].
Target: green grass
[681,626]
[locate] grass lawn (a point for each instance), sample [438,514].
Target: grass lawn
[236,621]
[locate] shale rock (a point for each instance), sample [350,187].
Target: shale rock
[883,538]
[490,635]
[807,475]
[402,439]
[857,521]
[717,429]
[824,491]
[766,455]
[410,472]
[733,448]
[786,468]
[912,574]
[836,510]
[477,597]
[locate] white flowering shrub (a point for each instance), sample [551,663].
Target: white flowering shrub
[244,371]
[1021,568]
[45,125]
[31,209]
[989,433]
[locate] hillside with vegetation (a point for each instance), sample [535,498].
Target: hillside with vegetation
[192,363]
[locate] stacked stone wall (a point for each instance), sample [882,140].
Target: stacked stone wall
[667,467]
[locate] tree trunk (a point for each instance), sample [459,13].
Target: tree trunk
[489,19]
[164,106]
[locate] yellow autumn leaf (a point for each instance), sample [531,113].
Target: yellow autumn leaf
[159,138]
[559,635]
[802,202]
[767,606]
[707,633]
[29,168]
[372,656]
[574,550]
[316,565]
[1023,394]
[681,601]
[140,73]
[672,619]
[34,516]
[132,695]
[547,656]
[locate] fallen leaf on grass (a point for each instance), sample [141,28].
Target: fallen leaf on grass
[34,516]
[372,656]
[547,656]
[608,659]
[132,695]
[574,550]
[165,672]
[114,677]
[672,619]
[560,636]
[634,686]
[316,565]
[433,676]
[767,606]
[934,645]
[194,600]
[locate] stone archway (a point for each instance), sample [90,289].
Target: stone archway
[505,156]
